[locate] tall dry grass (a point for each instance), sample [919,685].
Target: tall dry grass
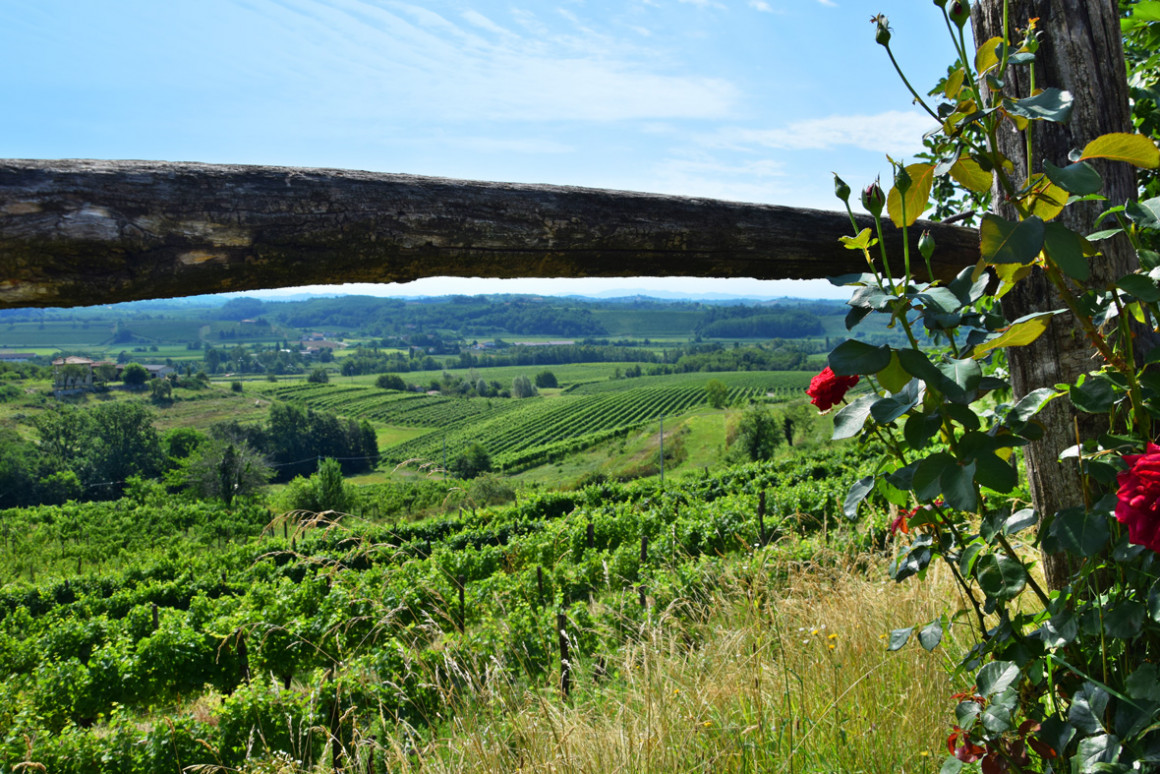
[781,667]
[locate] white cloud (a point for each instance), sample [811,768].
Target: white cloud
[828,3]
[761,5]
[387,61]
[895,132]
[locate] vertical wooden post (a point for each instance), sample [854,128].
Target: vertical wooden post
[565,660]
[644,549]
[461,581]
[640,593]
[761,518]
[540,582]
[156,617]
[591,542]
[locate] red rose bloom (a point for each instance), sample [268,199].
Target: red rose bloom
[1139,497]
[827,389]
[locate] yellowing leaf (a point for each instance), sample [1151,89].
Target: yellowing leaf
[860,242]
[967,173]
[1018,334]
[1136,149]
[954,83]
[1046,198]
[988,55]
[917,195]
[1010,274]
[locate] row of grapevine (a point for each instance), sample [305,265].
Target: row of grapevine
[304,644]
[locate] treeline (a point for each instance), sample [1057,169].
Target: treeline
[93,453]
[783,325]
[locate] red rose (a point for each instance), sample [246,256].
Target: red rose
[827,389]
[1139,497]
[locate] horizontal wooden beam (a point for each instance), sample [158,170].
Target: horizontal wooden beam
[83,232]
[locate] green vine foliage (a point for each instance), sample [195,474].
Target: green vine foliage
[1067,679]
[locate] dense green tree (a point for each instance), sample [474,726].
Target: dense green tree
[717,393]
[124,444]
[225,470]
[318,376]
[472,462]
[759,432]
[324,491]
[134,375]
[546,380]
[522,387]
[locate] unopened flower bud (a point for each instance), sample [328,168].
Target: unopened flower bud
[873,199]
[841,190]
[882,32]
[941,3]
[960,12]
[926,245]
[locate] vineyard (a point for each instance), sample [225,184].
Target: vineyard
[318,641]
[519,434]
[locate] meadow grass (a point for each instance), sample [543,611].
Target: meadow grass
[779,665]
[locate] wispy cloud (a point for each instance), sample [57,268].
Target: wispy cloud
[761,5]
[896,132]
[403,57]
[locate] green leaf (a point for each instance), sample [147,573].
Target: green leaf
[916,197]
[969,555]
[1144,214]
[1031,404]
[920,428]
[1080,178]
[1059,630]
[1005,241]
[899,637]
[1135,149]
[1094,394]
[889,409]
[1144,683]
[856,495]
[997,719]
[996,677]
[1087,707]
[1154,602]
[1141,286]
[995,473]
[849,421]
[964,374]
[1066,249]
[1001,577]
[958,486]
[928,475]
[1018,334]
[1124,619]
[1020,520]
[951,765]
[1095,753]
[1049,105]
[857,357]
[931,635]
[1077,531]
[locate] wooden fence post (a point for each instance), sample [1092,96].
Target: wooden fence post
[565,660]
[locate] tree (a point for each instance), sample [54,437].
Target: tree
[318,376]
[324,491]
[391,382]
[522,387]
[759,432]
[1082,53]
[162,390]
[226,470]
[717,393]
[546,380]
[134,375]
[472,462]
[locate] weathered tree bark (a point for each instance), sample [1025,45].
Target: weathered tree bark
[75,233]
[1081,51]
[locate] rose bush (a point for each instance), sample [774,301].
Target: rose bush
[1066,680]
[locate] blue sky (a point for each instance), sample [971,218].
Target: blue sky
[749,100]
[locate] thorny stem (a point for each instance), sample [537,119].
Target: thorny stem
[917,98]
